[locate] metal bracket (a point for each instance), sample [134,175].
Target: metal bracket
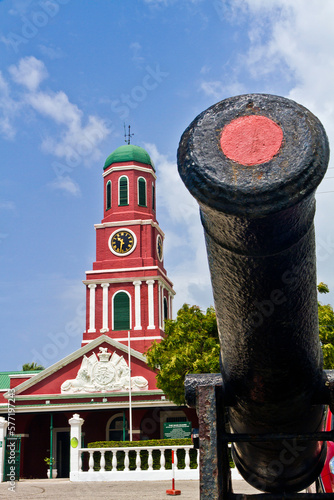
[205,393]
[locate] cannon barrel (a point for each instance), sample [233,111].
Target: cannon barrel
[253,163]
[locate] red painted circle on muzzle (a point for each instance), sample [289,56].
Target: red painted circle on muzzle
[251,140]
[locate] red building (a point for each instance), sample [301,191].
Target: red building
[128,298]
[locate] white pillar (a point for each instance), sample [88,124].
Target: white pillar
[91,308]
[150,284]
[170,306]
[3,433]
[105,328]
[159,302]
[75,444]
[137,306]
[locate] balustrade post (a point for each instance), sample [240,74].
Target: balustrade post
[175,457]
[126,461]
[162,459]
[138,461]
[75,439]
[114,461]
[91,461]
[102,461]
[150,460]
[187,460]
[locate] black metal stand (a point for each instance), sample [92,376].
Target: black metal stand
[206,394]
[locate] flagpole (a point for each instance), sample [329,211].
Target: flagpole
[130,399]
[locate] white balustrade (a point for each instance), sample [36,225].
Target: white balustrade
[107,459]
[126,461]
[162,459]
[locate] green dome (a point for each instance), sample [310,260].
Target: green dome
[130,152]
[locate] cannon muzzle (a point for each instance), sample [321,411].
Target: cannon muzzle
[253,163]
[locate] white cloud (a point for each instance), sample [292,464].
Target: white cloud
[78,137]
[67,184]
[29,72]
[7,205]
[8,109]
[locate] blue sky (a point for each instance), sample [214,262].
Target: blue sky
[71,73]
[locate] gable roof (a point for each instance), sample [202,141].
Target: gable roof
[72,357]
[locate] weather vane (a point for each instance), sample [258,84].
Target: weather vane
[127,136]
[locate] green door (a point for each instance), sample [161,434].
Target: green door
[12,458]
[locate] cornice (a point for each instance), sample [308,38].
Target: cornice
[121,168]
[133,222]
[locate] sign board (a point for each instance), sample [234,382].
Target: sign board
[177,430]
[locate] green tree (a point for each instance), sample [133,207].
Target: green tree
[191,345]
[326,329]
[32,367]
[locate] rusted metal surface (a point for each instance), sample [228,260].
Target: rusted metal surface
[258,224]
[210,486]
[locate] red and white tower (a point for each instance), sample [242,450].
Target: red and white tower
[128,288]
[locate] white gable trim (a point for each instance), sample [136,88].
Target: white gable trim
[72,357]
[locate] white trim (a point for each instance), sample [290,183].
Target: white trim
[137,284]
[159,304]
[134,242]
[145,192]
[90,406]
[105,304]
[157,337]
[128,189]
[150,288]
[91,287]
[113,309]
[72,357]
[134,222]
[129,167]
[127,269]
[16,375]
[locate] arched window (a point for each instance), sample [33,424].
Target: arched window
[117,428]
[153,196]
[121,311]
[123,197]
[142,192]
[108,195]
[165,309]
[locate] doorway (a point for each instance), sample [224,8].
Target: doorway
[63,452]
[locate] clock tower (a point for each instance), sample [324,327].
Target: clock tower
[128,289]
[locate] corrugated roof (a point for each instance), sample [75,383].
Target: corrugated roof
[5,377]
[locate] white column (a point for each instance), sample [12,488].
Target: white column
[3,432]
[137,306]
[160,312]
[75,440]
[91,308]
[105,328]
[170,306]
[150,284]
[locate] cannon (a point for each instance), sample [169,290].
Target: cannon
[253,163]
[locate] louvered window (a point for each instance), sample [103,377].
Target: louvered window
[123,191]
[121,311]
[153,196]
[108,196]
[141,192]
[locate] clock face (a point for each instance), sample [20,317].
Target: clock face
[159,247]
[122,242]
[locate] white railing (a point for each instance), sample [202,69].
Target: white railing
[82,466]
